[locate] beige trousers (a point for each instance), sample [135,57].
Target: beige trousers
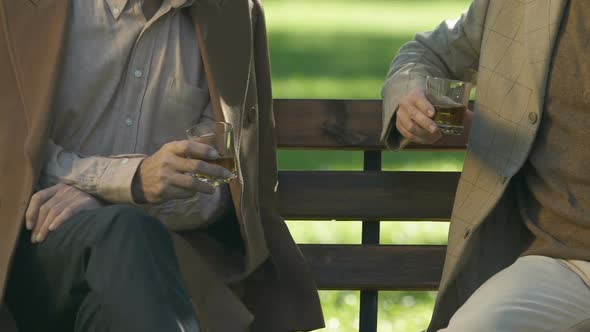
[534,294]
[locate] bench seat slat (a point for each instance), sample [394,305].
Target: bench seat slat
[395,196]
[338,124]
[358,267]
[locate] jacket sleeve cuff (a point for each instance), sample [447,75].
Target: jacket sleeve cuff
[394,90]
[114,185]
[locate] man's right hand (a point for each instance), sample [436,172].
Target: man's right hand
[167,174]
[414,119]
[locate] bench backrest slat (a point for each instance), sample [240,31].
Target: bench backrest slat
[368,267]
[338,125]
[392,196]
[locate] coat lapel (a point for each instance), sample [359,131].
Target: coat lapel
[226,32]
[542,21]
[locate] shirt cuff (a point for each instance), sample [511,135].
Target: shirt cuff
[114,185]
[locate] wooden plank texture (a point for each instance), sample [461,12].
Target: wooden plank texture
[325,195]
[357,267]
[338,124]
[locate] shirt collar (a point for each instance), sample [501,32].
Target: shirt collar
[116,7]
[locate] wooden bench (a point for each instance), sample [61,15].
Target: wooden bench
[371,195]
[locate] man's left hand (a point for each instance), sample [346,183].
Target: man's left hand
[51,207]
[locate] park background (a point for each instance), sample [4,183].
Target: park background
[342,49]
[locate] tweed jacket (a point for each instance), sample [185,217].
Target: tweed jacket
[268,287]
[505,48]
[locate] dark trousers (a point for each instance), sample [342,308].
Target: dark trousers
[108,270]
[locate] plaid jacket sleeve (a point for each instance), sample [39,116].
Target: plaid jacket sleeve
[452,50]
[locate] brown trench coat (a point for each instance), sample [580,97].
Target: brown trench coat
[275,287]
[505,47]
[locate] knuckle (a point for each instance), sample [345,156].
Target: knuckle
[160,189]
[403,109]
[35,198]
[164,181]
[67,212]
[165,162]
[43,209]
[55,210]
[168,146]
[198,166]
[161,174]
[185,147]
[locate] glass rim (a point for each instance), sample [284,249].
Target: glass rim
[227,127]
[434,78]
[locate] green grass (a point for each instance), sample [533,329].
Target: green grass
[342,49]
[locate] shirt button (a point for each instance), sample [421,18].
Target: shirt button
[124,161]
[129,122]
[533,117]
[252,115]
[116,11]
[138,73]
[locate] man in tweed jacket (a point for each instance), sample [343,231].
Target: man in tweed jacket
[519,242]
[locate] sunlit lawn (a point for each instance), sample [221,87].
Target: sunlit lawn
[342,49]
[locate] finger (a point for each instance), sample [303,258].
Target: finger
[424,105]
[193,149]
[37,200]
[424,121]
[56,210]
[44,211]
[179,193]
[66,213]
[411,137]
[193,166]
[413,127]
[192,183]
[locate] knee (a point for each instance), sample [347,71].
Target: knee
[491,320]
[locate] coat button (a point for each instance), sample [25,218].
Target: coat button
[533,117]
[252,114]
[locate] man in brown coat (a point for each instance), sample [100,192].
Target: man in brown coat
[519,244]
[101,228]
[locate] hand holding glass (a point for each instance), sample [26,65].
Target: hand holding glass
[450,100]
[218,135]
